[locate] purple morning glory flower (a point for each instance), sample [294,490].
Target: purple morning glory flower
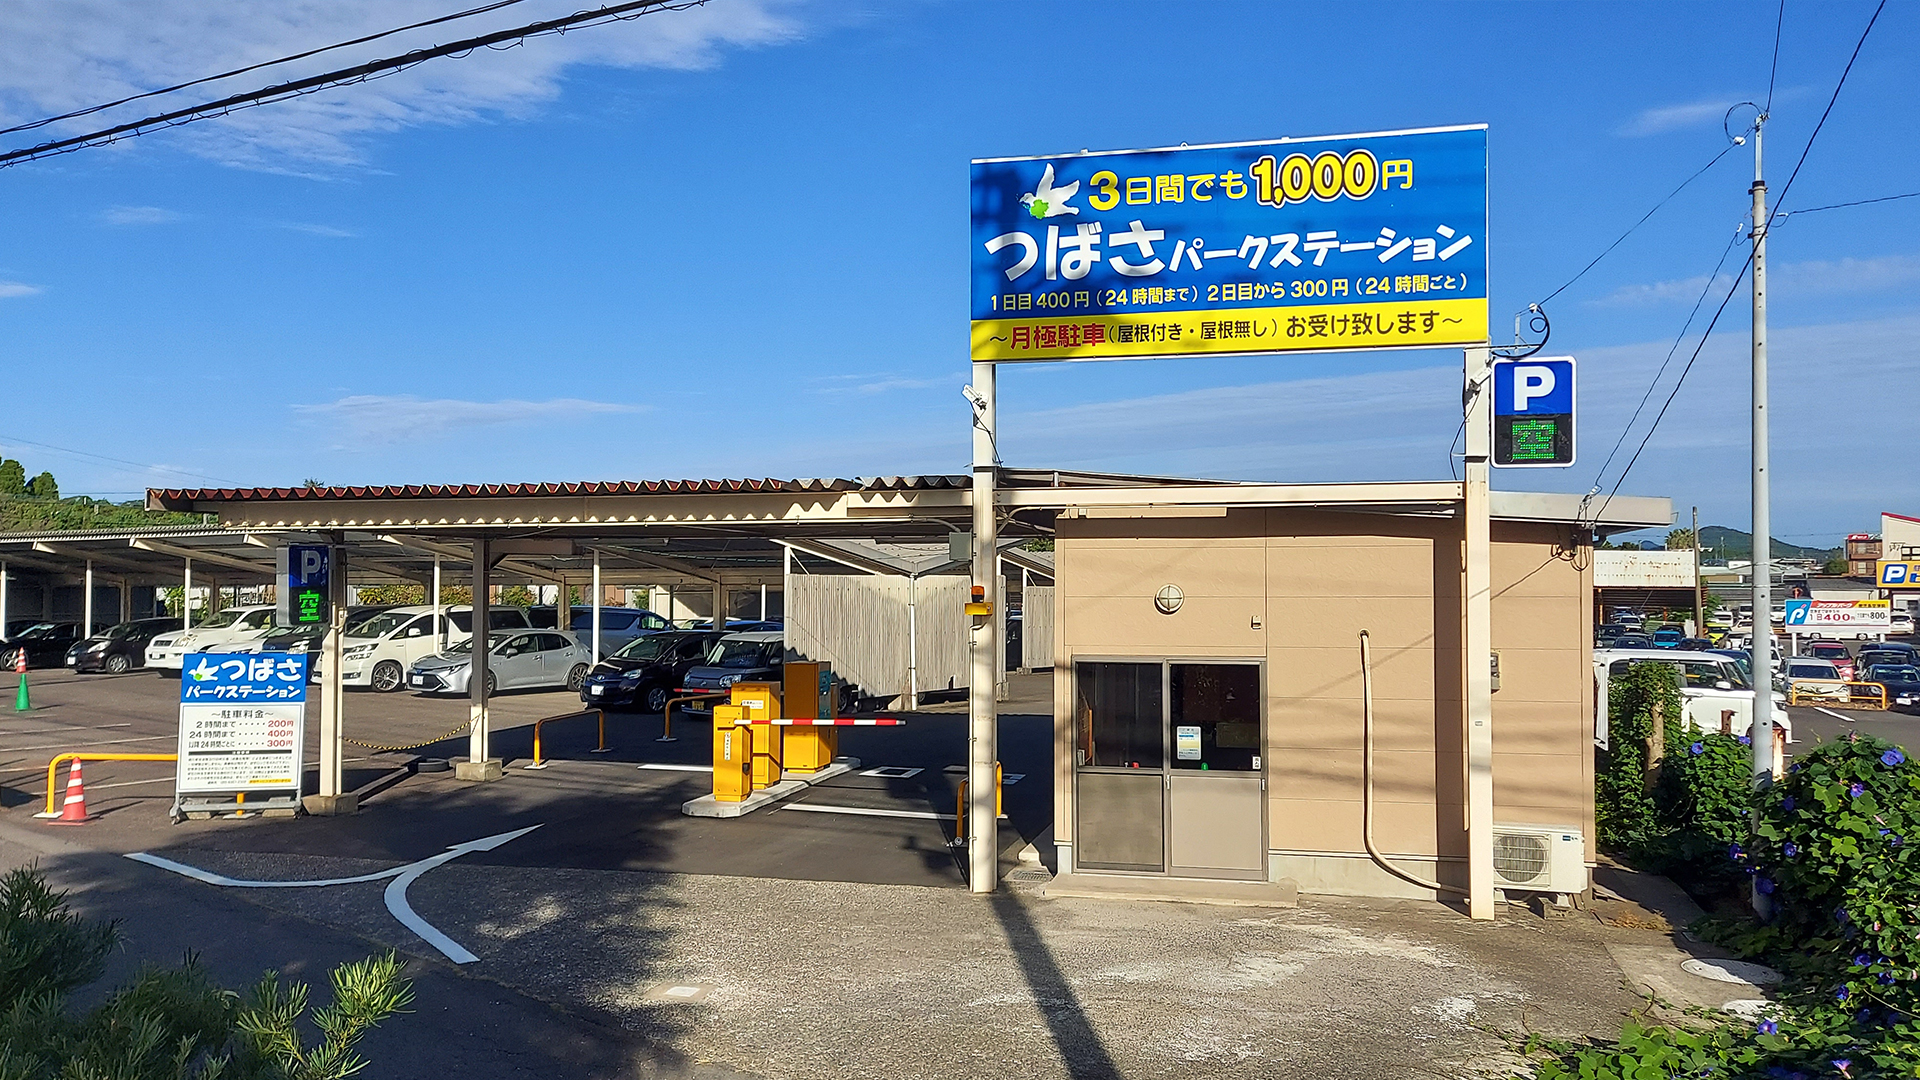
[1861,960]
[1856,790]
[1769,1027]
[1734,852]
[1788,804]
[1763,886]
[1746,740]
[1843,1064]
[1886,978]
[1696,749]
[1840,994]
[1892,758]
[1792,849]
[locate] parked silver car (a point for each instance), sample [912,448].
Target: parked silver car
[521,659]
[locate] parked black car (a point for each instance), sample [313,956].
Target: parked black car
[120,648]
[44,643]
[1901,680]
[754,656]
[646,671]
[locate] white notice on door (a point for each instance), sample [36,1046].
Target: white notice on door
[1186,742]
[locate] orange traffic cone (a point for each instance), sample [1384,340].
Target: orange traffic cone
[75,810]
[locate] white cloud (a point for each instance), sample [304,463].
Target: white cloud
[317,230]
[1844,275]
[1666,118]
[361,420]
[139,215]
[1683,290]
[18,288]
[58,57]
[881,383]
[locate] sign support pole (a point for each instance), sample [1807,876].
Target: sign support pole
[1761,636]
[329,798]
[480,763]
[983,837]
[1477,641]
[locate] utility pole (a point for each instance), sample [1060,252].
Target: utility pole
[1477,631]
[1761,639]
[1699,601]
[983,750]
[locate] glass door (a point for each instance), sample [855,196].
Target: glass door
[1167,768]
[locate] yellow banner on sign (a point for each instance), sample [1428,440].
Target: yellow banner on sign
[1304,328]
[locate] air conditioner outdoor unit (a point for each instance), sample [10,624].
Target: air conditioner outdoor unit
[1534,858]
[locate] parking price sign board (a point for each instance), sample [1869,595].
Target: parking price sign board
[242,728]
[1321,244]
[1814,616]
[1533,408]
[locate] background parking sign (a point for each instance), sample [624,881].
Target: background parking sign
[304,570]
[1533,412]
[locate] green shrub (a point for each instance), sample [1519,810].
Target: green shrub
[167,1024]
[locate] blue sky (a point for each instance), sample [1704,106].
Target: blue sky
[733,241]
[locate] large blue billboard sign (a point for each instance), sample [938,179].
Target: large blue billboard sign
[1298,245]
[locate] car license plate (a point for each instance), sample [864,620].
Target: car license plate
[419,680]
[598,690]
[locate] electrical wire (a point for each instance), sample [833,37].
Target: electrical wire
[90,110]
[1671,351]
[1836,206]
[117,461]
[359,73]
[1715,160]
[1773,69]
[1760,231]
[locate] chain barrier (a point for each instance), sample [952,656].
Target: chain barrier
[464,725]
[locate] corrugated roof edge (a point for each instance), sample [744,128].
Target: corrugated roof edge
[181,498]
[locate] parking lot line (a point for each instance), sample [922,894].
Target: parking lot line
[1835,715]
[98,742]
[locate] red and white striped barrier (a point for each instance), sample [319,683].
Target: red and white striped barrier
[838,721]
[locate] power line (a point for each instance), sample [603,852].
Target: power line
[1715,160]
[114,460]
[1773,69]
[1673,349]
[1856,202]
[1753,250]
[622,12]
[90,110]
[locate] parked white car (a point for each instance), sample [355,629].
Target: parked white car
[1902,623]
[1711,687]
[378,651]
[219,632]
[515,661]
[1810,678]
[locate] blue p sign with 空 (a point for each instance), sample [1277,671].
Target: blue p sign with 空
[1533,412]
[304,572]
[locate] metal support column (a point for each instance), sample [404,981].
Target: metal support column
[86,605]
[439,618]
[598,594]
[480,763]
[983,833]
[186,597]
[126,601]
[719,607]
[330,796]
[1477,641]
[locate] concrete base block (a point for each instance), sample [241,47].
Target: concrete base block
[1279,894]
[490,769]
[330,805]
[790,784]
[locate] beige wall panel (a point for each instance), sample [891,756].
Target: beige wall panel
[1131,626]
[1541,729]
[1324,825]
[1537,780]
[1236,525]
[1336,621]
[1319,723]
[1362,569]
[1221,568]
[1334,671]
[1541,675]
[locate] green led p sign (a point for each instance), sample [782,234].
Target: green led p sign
[1533,413]
[304,571]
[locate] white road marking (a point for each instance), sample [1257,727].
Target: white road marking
[97,742]
[396,894]
[1835,715]
[893,772]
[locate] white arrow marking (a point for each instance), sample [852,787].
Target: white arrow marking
[396,896]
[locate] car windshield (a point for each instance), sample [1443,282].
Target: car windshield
[646,648]
[44,630]
[293,636]
[460,648]
[738,654]
[382,624]
[123,631]
[217,620]
[1894,672]
[1830,652]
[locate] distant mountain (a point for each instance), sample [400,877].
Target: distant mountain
[1728,543]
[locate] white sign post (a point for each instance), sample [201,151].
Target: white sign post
[243,726]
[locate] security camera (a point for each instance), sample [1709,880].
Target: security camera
[973,398]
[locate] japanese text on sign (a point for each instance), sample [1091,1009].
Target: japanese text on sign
[1350,242]
[238,677]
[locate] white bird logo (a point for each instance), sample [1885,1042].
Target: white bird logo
[1048,201]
